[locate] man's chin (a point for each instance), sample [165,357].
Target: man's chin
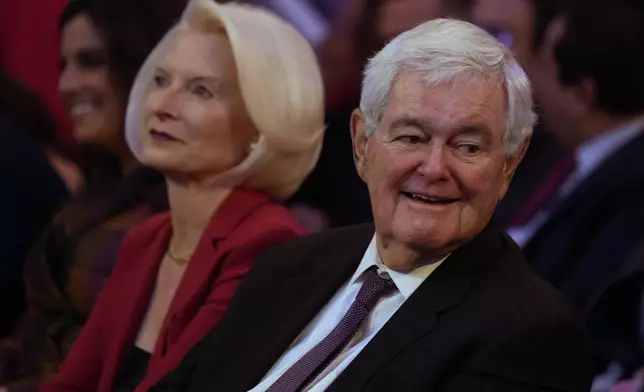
[426,241]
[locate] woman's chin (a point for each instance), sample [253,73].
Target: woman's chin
[160,162]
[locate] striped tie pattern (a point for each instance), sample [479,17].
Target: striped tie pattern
[307,368]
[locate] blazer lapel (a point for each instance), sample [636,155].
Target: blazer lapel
[602,183]
[288,308]
[198,276]
[419,315]
[141,279]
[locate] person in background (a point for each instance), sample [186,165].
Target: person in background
[37,175]
[586,219]
[230,108]
[104,44]
[431,296]
[521,25]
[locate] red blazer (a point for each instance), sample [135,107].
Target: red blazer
[245,224]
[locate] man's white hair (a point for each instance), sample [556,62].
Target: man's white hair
[445,50]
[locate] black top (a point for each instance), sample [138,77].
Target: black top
[31,193]
[132,371]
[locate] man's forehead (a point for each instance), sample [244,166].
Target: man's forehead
[453,103]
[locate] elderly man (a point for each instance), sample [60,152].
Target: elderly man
[432,296]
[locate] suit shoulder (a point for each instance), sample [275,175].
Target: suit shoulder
[333,238]
[514,286]
[296,254]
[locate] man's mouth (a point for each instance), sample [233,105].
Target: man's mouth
[430,199]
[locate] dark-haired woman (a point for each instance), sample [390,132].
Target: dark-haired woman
[103,44]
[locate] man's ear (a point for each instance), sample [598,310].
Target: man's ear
[359,141]
[512,162]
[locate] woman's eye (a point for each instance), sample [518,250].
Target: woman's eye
[159,81]
[202,92]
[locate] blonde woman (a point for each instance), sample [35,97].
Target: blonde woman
[229,107]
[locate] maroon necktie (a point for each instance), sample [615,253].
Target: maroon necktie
[307,368]
[546,192]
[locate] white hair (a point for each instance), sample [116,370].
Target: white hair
[444,50]
[281,84]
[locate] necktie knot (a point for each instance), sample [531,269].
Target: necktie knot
[373,288]
[307,368]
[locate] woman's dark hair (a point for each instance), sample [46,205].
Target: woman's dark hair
[129,28]
[31,116]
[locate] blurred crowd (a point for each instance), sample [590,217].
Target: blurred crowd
[73,188]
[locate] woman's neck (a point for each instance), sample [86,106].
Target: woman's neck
[192,208]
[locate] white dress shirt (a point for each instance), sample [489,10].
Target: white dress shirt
[589,156]
[406,283]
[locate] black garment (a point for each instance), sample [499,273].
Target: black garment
[31,192]
[589,235]
[334,186]
[616,320]
[132,370]
[542,154]
[483,321]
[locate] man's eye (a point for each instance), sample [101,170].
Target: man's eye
[468,149]
[410,139]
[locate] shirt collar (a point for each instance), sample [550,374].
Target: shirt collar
[591,154]
[406,281]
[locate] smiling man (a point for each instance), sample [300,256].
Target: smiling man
[432,296]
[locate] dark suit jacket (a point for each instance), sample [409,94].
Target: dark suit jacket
[583,244]
[243,226]
[616,319]
[483,321]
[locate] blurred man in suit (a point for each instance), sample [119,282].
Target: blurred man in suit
[432,296]
[521,25]
[587,216]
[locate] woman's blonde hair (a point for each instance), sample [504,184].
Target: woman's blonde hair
[280,82]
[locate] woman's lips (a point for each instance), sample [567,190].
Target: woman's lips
[162,136]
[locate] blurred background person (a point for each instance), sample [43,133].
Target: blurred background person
[230,133]
[104,44]
[521,25]
[38,173]
[587,218]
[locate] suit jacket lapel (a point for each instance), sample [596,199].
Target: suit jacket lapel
[419,315]
[607,177]
[144,263]
[203,263]
[289,307]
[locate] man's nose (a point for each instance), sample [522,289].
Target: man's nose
[434,165]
